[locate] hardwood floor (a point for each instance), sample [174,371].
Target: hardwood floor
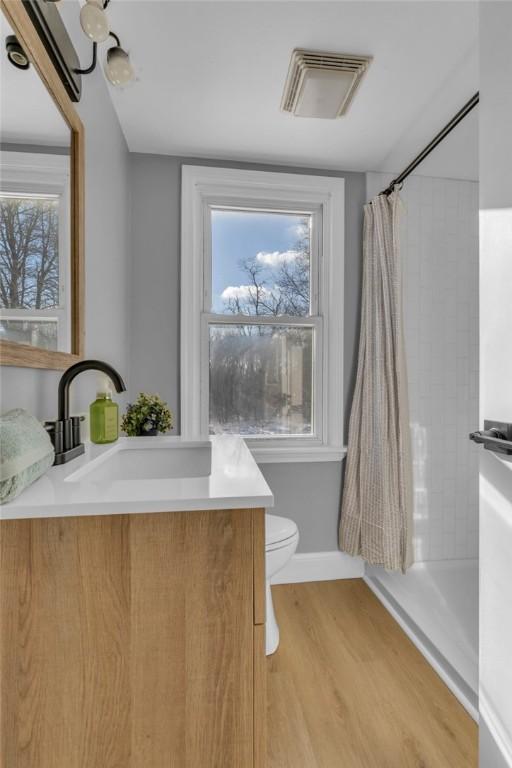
[348,689]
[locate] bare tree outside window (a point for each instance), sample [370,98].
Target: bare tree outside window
[277,283]
[29,266]
[261,374]
[29,252]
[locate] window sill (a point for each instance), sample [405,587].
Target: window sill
[301,454]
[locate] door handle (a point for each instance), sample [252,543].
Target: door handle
[495,436]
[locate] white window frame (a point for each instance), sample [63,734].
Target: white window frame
[204,187]
[46,174]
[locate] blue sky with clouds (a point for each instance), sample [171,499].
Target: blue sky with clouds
[237,235]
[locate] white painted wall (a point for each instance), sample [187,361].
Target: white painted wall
[495,382]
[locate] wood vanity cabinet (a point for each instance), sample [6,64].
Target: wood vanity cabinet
[133,641]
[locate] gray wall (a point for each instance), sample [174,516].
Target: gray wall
[308,493]
[107,262]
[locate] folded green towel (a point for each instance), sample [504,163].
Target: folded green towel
[26,452]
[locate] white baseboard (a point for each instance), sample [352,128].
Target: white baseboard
[444,669]
[320,566]
[493,723]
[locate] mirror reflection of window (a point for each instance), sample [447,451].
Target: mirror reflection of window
[34,250]
[34,211]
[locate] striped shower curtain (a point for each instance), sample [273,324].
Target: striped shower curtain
[376,513]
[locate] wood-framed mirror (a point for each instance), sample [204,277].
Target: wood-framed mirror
[41,206]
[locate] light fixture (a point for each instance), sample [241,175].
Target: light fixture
[47,21]
[15,53]
[94,21]
[322,84]
[118,68]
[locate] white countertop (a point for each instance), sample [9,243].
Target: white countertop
[235,482]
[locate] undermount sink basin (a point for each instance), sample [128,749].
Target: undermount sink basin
[147,458]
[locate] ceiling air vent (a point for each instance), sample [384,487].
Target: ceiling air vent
[322,84]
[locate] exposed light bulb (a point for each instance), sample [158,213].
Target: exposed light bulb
[94,21]
[118,68]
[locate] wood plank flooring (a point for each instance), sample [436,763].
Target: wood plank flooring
[348,689]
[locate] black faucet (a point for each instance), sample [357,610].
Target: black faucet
[65,432]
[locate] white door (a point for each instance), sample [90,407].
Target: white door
[495,382]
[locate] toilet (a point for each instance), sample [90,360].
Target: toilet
[281,539]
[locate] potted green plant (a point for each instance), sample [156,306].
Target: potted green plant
[148,415]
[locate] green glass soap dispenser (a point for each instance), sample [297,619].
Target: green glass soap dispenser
[104,418]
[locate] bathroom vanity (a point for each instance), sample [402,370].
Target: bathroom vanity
[132,610]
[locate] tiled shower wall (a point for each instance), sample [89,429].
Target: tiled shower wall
[440,256]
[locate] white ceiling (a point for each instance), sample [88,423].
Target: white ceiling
[28,114]
[211,75]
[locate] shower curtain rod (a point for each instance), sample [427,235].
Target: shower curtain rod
[461,114]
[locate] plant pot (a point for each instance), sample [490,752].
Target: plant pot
[148,433]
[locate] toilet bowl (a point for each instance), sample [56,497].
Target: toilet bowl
[281,539]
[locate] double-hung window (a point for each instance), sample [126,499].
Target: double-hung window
[34,250]
[262,309]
